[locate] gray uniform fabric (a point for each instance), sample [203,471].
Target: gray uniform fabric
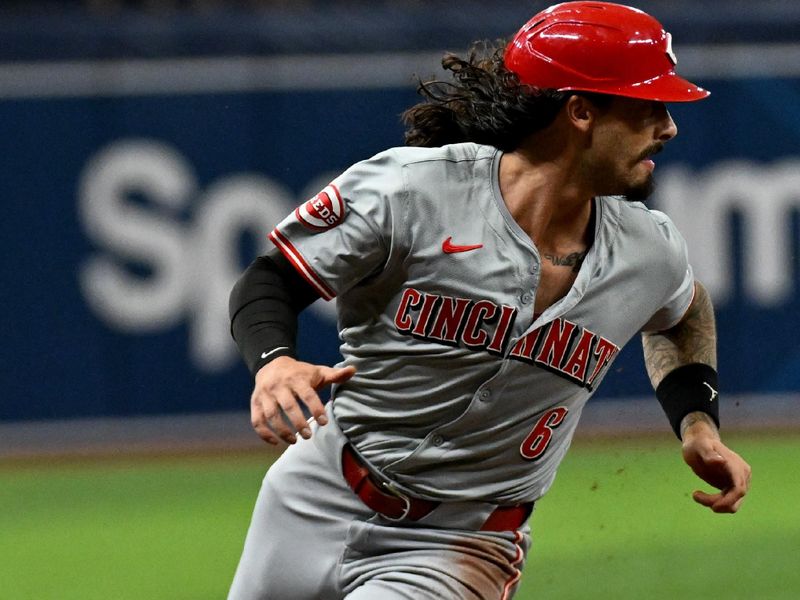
[312,538]
[442,406]
[462,394]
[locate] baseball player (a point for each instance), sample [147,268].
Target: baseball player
[487,276]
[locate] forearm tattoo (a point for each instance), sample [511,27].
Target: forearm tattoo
[693,340]
[574,260]
[698,417]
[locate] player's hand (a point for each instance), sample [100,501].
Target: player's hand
[716,464]
[280,386]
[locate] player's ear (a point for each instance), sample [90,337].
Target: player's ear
[585,108]
[581,112]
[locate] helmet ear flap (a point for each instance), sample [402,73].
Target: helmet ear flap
[599,47]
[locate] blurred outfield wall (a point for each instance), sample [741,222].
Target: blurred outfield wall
[139,188]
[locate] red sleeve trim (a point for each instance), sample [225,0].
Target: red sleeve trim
[298,262]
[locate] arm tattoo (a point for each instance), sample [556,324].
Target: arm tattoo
[697,417]
[693,340]
[574,260]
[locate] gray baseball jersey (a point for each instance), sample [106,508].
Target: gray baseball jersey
[461,392]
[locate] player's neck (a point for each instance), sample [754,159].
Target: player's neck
[546,199]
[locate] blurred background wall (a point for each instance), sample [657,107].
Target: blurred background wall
[149,147]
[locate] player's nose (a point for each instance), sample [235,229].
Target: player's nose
[667,127]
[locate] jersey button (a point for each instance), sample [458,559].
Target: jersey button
[485,395]
[527,297]
[437,440]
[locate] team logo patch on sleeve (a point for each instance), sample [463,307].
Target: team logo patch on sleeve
[323,211]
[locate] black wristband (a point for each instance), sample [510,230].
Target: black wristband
[688,389]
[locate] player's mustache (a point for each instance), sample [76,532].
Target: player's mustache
[652,150]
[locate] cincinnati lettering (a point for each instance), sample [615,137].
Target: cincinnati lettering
[560,346]
[568,350]
[475,324]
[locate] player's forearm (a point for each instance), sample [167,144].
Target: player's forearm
[693,340]
[681,363]
[698,422]
[264,305]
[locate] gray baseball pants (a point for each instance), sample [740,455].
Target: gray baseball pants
[311,537]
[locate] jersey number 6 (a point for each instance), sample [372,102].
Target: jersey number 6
[535,445]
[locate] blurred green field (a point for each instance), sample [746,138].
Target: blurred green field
[619,523]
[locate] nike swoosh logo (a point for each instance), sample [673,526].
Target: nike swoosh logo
[448,247]
[266,354]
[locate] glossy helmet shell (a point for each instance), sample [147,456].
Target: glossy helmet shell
[599,47]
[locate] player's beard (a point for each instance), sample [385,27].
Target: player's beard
[642,191]
[616,178]
[619,184]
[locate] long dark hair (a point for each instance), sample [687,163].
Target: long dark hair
[485,103]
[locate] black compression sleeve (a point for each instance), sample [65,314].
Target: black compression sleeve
[263,307]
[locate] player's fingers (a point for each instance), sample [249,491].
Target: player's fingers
[732,498]
[335,375]
[273,414]
[313,403]
[744,474]
[705,498]
[294,413]
[259,422]
[265,433]
[728,503]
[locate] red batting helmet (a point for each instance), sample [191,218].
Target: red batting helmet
[599,47]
